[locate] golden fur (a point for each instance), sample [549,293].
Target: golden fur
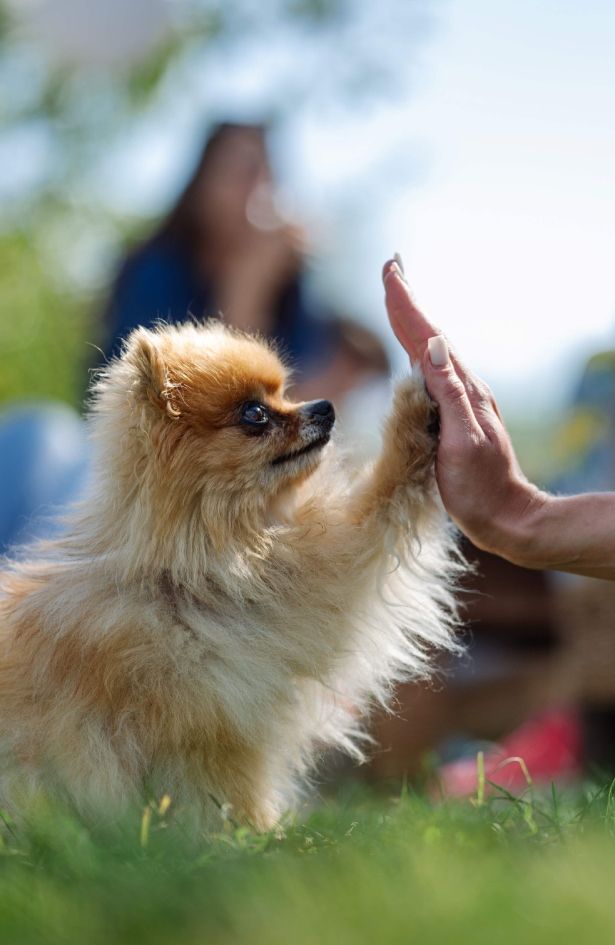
[213,619]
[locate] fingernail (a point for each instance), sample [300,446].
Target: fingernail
[438,350]
[394,268]
[400,263]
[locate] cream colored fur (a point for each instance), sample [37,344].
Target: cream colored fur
[213,621]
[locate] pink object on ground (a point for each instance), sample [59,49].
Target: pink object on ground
[549,744]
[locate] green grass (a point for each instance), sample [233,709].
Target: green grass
[45,332]
[357,869]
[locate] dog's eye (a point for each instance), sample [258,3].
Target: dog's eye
[254,414]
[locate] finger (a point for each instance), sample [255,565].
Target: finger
[411,327]
[478,391]
[457,419]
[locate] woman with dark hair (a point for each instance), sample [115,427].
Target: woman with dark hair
[224,248]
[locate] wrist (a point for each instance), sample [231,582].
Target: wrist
[516,528]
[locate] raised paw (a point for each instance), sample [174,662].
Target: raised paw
[413,427]
[415,408]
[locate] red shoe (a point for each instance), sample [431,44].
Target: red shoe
[546,748]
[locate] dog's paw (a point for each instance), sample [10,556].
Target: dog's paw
[415,406]
[415,425]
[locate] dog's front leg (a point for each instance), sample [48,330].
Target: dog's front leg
[400,489]
[394,498]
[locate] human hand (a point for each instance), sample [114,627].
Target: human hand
[257,270]
[479,478]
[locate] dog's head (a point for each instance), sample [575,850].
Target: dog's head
[209,415]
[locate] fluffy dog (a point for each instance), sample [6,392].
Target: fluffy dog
[227,600]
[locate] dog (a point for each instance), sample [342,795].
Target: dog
[228,599]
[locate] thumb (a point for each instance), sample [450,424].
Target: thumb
[448,390]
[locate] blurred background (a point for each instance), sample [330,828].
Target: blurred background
[264,159]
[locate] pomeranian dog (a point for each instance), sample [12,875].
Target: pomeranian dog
[228,600]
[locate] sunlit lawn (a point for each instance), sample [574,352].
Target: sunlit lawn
[46,333]
[360,868]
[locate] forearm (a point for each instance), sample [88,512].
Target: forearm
[575,534]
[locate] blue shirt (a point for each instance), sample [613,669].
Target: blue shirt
[158,282]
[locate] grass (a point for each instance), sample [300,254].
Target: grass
[357,869]
[44,330]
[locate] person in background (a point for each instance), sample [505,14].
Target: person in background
[585,443]
[584,461]
[224,248]
[44,459]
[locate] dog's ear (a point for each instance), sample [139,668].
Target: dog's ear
[145,351]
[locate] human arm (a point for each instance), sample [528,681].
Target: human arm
[255,272]
[479,478]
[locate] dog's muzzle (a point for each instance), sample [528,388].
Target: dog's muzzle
[319,412]
[318,417]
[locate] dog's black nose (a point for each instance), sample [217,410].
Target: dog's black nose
[319,410]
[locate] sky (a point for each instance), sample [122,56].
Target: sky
[490,166]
